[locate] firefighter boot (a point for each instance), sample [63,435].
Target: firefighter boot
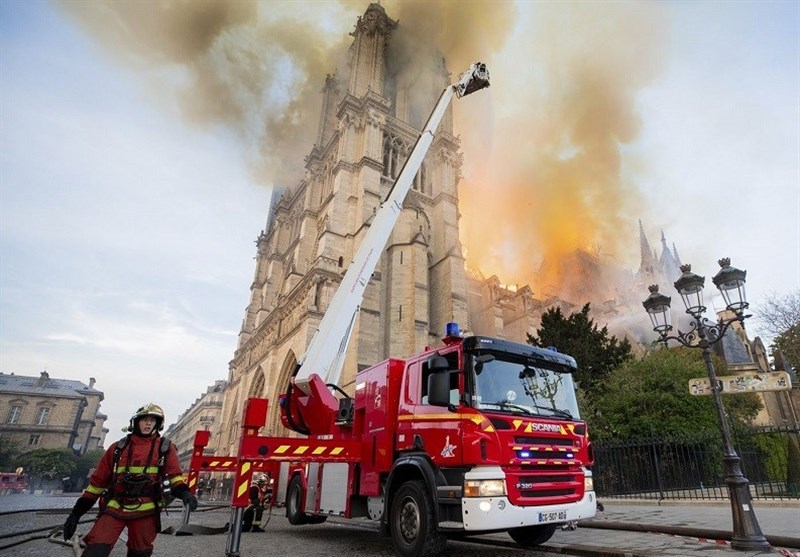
[97,550]
[139,552]
[256,529]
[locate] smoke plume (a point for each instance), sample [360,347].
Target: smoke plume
[544,168]
[253,67]
[554,179]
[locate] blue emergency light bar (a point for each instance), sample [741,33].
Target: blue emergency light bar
[451,330]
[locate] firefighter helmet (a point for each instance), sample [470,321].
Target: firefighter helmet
[149,409]
[261,479]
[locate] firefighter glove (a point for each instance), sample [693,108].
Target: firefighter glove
[82,505]
[190,501]
[182,492]
[70,525]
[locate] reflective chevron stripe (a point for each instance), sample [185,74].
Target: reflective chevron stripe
[137,469]
[93,489]
[140,507]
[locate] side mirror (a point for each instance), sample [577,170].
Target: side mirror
[439,381]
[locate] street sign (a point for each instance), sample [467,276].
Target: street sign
[743,383]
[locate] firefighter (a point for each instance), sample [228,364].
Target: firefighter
[260,496]
[129,481]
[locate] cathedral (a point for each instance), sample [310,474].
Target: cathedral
[370,119]
[369,122]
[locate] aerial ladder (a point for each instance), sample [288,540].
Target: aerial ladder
[309,405]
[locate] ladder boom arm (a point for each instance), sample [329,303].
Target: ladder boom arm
[325,353]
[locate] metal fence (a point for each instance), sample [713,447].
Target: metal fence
[690,466]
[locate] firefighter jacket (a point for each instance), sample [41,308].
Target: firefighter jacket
[259,494]
[133,488]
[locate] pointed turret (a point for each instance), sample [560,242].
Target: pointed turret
[367,66]
[648,265]
[670,266]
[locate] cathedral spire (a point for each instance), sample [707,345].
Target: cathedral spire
[670,266]
[647,253]
[367,55]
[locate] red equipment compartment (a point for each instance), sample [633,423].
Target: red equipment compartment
[377,398]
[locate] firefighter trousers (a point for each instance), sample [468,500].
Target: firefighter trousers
[252,517]
[141,533]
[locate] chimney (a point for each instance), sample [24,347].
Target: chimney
[43,378]
[91,382]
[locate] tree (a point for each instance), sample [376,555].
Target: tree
[780,318]
[48,464]
[596,352]
[777,314]
[8,454]
[789,345]
[650,396]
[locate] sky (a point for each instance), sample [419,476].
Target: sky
[136,171]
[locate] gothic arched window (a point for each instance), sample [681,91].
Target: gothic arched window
[394,152]
[421,179]
[257,387]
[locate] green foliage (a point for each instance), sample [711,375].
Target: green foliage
[596,352]
[788,343]
[650,396]
[793,466]
[779,316]
[48,463]
[8,454]
[772,449]
[87,461]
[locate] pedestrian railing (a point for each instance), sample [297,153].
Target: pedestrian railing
[690,466]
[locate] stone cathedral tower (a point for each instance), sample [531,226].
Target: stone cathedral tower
[369,122]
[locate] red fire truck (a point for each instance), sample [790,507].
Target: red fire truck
[13,482]
[477,435]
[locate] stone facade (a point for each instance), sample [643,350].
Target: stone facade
[364,136]
[203,414]
[44,413]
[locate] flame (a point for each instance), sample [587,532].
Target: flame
[543,148]
[555,180]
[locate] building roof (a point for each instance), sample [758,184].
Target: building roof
[44,385]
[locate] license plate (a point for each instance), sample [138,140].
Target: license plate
[552,516]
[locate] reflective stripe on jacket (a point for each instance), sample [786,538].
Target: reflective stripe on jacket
[133,458]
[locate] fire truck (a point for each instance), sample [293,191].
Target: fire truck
[475,436]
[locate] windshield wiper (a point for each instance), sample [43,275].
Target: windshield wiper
[504,404]
[556,411]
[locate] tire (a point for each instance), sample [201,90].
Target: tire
[411,522]
[531,536]
[294,502]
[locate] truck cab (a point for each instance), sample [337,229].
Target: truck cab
[489,430]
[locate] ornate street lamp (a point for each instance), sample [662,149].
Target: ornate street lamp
[703,334]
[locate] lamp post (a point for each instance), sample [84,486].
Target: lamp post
[703,334]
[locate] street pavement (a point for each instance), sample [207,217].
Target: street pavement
[630,528]
[626,528]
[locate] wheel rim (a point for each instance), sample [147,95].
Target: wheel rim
[409,520]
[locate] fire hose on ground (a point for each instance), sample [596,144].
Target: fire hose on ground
[55,533]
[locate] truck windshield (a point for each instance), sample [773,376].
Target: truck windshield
[522,388]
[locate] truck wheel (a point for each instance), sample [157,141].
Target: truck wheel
[294,502]
[531,536]
[411,522]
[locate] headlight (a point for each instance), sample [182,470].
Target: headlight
[484,488]
[588,483]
